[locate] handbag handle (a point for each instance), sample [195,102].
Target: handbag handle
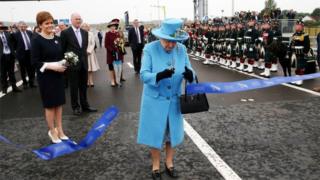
[185,87]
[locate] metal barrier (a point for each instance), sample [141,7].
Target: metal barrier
[287,25]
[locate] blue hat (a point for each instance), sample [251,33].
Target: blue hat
[171,29]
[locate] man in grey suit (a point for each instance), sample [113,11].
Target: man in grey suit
[75,39]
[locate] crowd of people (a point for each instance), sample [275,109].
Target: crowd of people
[41,54]
[244,42]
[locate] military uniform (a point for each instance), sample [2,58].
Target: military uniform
[277,35]
[250,40]
[267,38]
[240,47]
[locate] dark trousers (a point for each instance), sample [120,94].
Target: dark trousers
[100,42]
[286,66]
[26,68]
[78,87]
[137,53]
[7,70]
[318,59]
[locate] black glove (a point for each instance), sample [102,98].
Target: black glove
[188,75]
[164,74]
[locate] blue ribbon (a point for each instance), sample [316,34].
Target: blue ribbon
[66,147]
[245,85]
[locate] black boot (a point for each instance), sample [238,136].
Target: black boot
[16,89]
[4,90]
[32,85]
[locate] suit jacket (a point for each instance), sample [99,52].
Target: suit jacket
[10,43]
[132,37]
[69,43]
[18,43]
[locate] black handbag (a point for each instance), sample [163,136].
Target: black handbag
[193,103]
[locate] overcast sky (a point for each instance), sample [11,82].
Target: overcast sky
[97,11]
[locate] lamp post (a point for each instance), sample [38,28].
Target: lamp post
[11,13]
[232,10]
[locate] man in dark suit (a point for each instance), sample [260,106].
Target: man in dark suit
[22,45]
[76,40]
[100,37]
[7,60]
[136,41]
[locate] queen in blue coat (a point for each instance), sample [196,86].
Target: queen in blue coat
[165,64]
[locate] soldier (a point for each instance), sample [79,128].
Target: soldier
[221,43]
[260,64]
[209,48]
[215,43]
[250,39]
[267,38]
[240,45]
[232,46]
[277,35]
[227,53]
[300,45]
[204,39]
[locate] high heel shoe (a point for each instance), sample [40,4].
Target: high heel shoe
[156,175]
[64,137]
[171,171]
[55,141]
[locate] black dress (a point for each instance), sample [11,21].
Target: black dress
[51,83]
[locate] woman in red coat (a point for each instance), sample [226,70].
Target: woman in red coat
[113,52]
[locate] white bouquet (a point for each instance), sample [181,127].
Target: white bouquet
[70,59]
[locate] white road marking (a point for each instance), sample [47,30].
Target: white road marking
[130,65]
[10,89]
[284,84]
[210,154]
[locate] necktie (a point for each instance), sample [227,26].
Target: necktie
[5,44]
[27,41]
[138,35]
[79,38]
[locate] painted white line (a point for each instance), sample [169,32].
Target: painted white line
[10,89]
[284,84]
[210,154]
[130,65]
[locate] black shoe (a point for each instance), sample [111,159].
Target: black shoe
[25,86]
[16,89]
[77,112]
[31,85]
[4,90]
[171,171]
[89,109]
[92,85]
[122,80]
[156,175]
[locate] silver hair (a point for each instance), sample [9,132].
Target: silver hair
[21,23]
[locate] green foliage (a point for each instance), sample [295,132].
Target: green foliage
[316,12]
[269,6]
[312,23]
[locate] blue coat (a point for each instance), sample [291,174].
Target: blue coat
[160,102]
